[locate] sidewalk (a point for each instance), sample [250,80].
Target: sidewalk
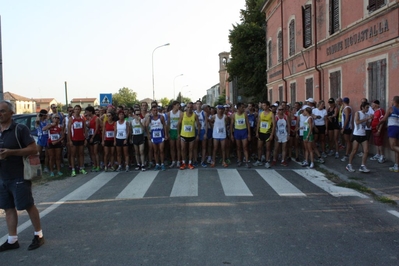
[380,180]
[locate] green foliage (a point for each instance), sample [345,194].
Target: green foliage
[221,100]
[164,101]
[203,100]
[125,96]
[183,99]
[248,52]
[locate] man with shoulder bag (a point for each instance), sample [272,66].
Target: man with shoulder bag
[15,191]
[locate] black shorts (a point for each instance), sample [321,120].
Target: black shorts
[359,139]
[138,139]
[185,139]
[321,130]
[264,136]
[96,140]
[121,142]
[16,193]
[368,134]
[108,143]
[78,142]
[347,131]
[56,146]
[333,126]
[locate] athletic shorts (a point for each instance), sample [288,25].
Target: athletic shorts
[333,126]
[240,134]
[108,143]
[16,193]
[347,131]
[281,139]
[157,140]
[96,140]
[368,134]
[393,132]
[78,142]
[138,139]
[185,139]
[359,139]
[219,139]
[264,136]
[310,139]
[56,146]
[173,134]
[321,130]
[209,133]
[201,135]
[120,142]
[42,142]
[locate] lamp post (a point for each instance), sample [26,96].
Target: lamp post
[153,87]
[174,89]
[181,90]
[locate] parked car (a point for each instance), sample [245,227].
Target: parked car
[29,121]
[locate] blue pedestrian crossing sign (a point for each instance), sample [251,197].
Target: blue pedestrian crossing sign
[105,99]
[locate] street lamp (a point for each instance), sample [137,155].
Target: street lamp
[153,87]
[181,92]
[174,89]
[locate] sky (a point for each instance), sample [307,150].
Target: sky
[100,46]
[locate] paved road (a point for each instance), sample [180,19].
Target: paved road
[211,217]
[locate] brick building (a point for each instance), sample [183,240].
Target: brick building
[332,48]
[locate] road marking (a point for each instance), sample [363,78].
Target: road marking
[232,183]
[138,186]
[186,184]
[85,191]
[321,181]
[280,184]
[395,213]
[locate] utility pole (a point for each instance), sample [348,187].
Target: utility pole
[1,69]
[66,95]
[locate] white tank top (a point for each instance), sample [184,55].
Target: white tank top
[121,130]
[360,129]
[201,118]
[136,127]
[219,128]
[281,124]
[174,119]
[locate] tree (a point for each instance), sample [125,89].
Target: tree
[221,100]
[164,101]
[125,96]
[183,99]
[248,52]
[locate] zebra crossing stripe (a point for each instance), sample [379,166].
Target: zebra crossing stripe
[395,213]
[280,184]
[186,184]
[138,186]
[232,183]
[321,181]
[89,188]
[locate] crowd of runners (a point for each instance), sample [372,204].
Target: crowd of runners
[197,135]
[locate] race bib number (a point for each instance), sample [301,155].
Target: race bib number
[281,132]
[220,130]
[264,125]
[156,134]
[109,134]
[173,124]
[91,131]
[293,123]
[137,131]
[251,123]
[54,137]
[188,128]
[240,121]
[77,125]
[121,134]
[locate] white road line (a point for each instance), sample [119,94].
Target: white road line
[280,184]
[79,193]
[321,181]
[89,188]
[395,213]
[186,184]
[232,183]
[138,186]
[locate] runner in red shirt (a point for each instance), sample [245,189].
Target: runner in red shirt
[77,139]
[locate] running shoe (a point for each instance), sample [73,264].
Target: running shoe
[209,160]
[182,166]
[119,168]
[51,174]
[284,163]
[363,169]
[344,159]
[360,154]
[247,165]
[267,165]
[172,164]
[203,164]
[349,168]
[45,170]
[224,164]
[82,171]
[105,169]
[311,166]
[163,168]
[274,163]
[73,173]
[157,167]
[190,166]
[375,157]
[212,164]
[138,167]
[178,164]
[382,159]
[305,163]
[59,174]
[394,168]
[127,168]
[336,155]
[239,164]
[143,168]
[324,155]
[257,163]
[319,160]
[195,164]
[331,153]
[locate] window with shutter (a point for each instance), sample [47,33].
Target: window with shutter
[309,88]
[334,16]
[335,84]
[293,93]
[280,93]
[269,47]
[280,46]
[292,37]
[375,4]
[377,82]
[307,25]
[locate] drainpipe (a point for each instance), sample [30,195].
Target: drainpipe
[316,49]
[282,53]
